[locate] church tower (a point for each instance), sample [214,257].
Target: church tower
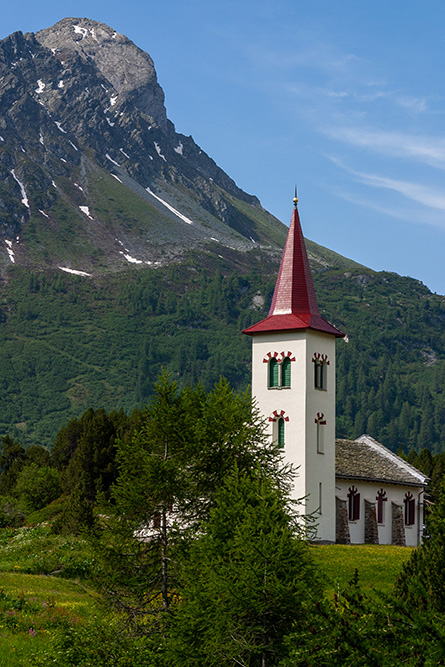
[293,380]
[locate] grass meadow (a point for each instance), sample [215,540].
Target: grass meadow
[49,614]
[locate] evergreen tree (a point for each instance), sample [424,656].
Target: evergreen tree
[169,473]
[247,581]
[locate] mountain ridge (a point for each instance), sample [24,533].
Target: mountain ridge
[125,249]
[77,98]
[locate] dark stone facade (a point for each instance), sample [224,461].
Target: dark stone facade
[397,526]
[371,529]
[341,522]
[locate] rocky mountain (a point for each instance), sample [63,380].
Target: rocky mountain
[93,174]
[97,190]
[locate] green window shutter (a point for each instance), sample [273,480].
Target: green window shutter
[273,373]
[281,432]
[285,372]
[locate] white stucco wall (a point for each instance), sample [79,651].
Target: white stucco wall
[395,493]
[301,403]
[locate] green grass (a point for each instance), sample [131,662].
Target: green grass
[35,550]
[35,610]
[51,620]
[377,565]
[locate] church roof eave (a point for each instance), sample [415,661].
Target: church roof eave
[292,322]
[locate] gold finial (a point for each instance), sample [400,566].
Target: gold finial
[295,199]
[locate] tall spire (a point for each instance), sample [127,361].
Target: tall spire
[294,303]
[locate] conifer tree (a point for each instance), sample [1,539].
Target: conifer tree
[169,473]
[246,583]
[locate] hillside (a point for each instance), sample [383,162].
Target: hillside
[125,249]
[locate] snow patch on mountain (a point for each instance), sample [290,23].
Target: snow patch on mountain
[22,189]
[74,272]
[10,251]
[111,160]
[158,151]
[170,207]
[86,211]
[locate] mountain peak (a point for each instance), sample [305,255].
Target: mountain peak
[128,69]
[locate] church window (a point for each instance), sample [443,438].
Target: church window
[410,508]
[320,375]
[279,370]
[353,504]
[281,432]
[273,373]
[321,423]
[285,372]
[321,363]
[381,499]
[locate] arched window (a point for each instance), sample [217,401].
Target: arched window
[410,509]
[353,504]
[273,373]
[381,498]
[279,372]
[321,423]
[280,438]
[285,372]
[321,363]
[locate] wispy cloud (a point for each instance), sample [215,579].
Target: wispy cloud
[428,196]
[430,150]
[407,213]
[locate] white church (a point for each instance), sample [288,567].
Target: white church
[358,490]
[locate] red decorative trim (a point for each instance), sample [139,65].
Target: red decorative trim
[277,415]
[322,358]
[320,419]
[280,357]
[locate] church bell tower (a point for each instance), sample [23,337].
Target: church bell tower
[293,381]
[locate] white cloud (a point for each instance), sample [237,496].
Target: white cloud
[430,150]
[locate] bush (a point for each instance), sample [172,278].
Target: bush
[37,487]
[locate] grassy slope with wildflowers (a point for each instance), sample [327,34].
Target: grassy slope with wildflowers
[47,616]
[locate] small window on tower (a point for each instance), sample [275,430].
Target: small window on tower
[285,372]
[273,373]
[279,372]
[321,423]
[320,374]
[281,432]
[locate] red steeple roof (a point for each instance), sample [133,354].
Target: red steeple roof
[294,304]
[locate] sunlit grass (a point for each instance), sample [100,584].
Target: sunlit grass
[34,609]
[377,565]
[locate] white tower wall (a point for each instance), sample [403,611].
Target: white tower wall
[301,405]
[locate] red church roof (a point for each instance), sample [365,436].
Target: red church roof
[294,304]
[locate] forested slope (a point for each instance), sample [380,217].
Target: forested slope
[68,343]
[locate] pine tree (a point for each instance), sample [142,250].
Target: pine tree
[246,583]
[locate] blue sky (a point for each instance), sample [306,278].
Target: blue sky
[345,98]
